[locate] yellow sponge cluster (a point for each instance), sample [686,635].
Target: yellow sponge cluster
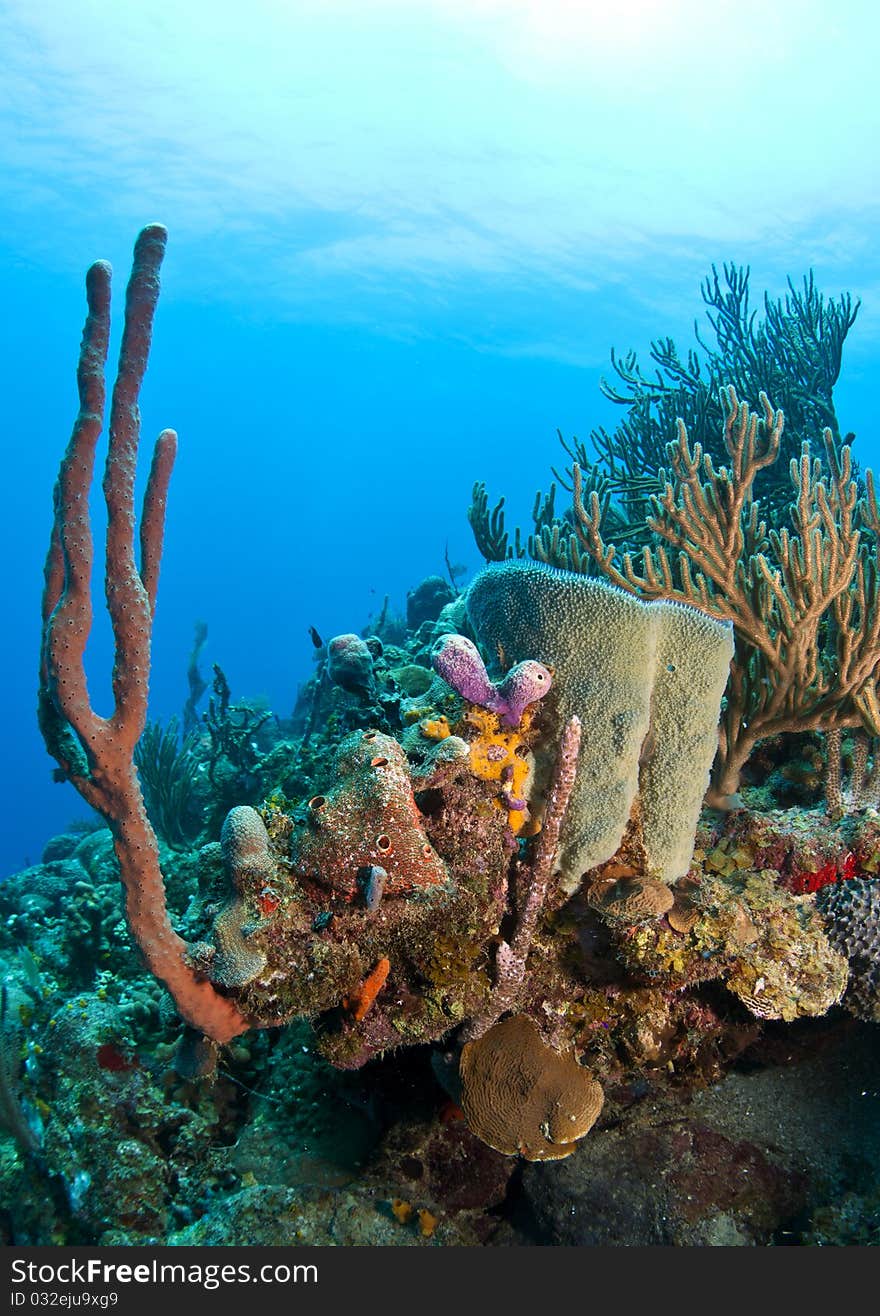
[500,754]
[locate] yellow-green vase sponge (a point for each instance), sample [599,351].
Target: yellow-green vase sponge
[646,680]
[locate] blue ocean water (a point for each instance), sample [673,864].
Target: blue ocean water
[343,358]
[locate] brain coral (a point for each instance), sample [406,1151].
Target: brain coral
[520,1096]
[244,844]
[631,900]
[852,920]
[646,680]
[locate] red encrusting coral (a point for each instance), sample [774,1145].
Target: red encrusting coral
[109,1057]
[840,869]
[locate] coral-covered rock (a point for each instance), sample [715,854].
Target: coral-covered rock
[807,850]
[350,664]
[427,600]
[369,819]
[768,946]
[646,680]
[360,907]
[264,1215]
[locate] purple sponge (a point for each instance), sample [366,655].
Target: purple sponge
[457,659]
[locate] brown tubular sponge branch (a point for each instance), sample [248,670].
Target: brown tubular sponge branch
[96,753]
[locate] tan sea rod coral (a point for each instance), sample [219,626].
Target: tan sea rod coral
[803,600]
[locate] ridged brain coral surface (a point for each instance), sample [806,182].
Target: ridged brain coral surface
[244,843]
[646,680]
[852,920]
